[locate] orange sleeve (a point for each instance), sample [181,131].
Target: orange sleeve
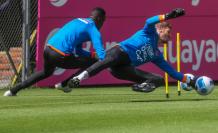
[184,79]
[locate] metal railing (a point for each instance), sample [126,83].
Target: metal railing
[11,34]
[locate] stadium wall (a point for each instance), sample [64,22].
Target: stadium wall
[199,40]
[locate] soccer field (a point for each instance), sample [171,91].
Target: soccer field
[108,110]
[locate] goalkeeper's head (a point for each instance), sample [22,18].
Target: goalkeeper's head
[164,31]
[98,14]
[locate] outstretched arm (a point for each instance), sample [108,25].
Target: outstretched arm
[165,66]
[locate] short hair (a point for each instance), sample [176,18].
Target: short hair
[163,25]
[99,11]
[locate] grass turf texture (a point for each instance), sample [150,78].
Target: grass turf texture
[108,110]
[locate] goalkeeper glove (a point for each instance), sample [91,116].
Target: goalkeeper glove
[192,82]
[175,13]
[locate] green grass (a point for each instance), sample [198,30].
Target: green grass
[108,110]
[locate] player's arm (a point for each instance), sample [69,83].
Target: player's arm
[165,66]
[158,18]
[97,43]
[154,20]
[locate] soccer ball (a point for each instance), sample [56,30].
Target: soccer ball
[204,85]
[185,86]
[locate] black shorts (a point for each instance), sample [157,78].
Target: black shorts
[55,59]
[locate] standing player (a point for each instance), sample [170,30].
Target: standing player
[139,49]
[64,49]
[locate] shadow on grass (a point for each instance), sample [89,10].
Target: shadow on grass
[173,100]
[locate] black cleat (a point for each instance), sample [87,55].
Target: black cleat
[144,87]
[73,83]
[65,89]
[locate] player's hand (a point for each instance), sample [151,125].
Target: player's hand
[193,82]
[94,55]
[175,13]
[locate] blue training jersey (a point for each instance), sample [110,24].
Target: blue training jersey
[71,36]
[142,47]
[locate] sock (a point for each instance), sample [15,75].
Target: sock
[83,75]
[58,85]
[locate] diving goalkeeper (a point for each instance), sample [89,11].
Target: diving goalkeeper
[140,48]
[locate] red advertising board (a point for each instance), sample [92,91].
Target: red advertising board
[199,47]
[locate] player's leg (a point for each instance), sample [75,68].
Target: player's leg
[49,67]
[145,81]
[114,56]
[31,80]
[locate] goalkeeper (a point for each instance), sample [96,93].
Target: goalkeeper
[139,49]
